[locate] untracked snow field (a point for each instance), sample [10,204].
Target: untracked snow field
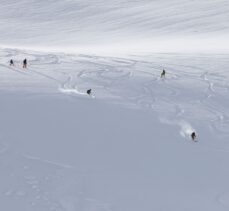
[126,147]
[99,26]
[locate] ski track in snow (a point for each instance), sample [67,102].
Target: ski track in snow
[44,185]
[223,199]
[133,82]
[194,96]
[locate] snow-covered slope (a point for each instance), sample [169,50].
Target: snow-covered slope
[76,25]
[126,148]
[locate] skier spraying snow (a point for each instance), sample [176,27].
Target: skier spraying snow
[193,136]
[25,63]
[163,74]
[11,62]
[89,91]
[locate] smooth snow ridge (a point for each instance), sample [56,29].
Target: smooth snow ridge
[77,25]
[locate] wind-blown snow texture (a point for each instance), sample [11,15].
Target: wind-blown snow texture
[127,147]
[108,26]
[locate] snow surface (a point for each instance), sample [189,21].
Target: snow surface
[127,147]
[116,26]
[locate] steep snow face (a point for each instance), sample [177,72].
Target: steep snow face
[113,25]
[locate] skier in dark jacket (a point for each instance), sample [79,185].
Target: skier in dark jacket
[163,74]
[89,91]
[25,63]
[193,136]
[11,62]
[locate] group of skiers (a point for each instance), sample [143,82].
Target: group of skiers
[24,63]
[25,66]
[193,134]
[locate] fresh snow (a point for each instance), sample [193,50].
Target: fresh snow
[115,26]
[127,147]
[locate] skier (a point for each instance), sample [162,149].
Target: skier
[193,136]
[11,62]
[25,63]
[89,91]
[163,74]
